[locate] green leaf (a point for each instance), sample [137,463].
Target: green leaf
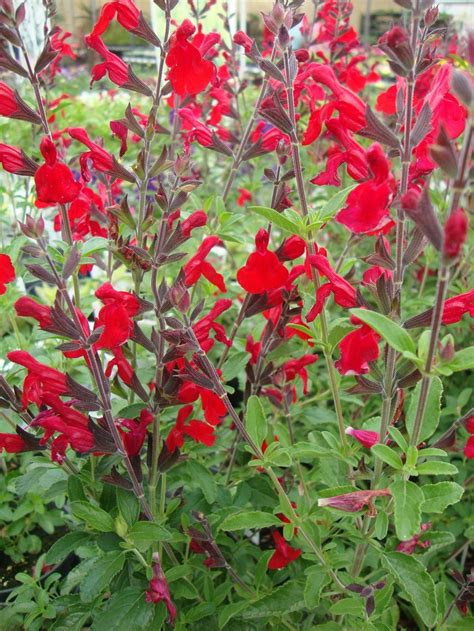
[388,456]
[439,496]
[94,516]
[432,409]
[435,467]
[128,505]
[417,584]
[250,519]
[64,546]
[203,479]
[407,497]
[100,575]
[95,244]
[462,360]
[348,607]
[315,581]
[127,610]
[282,600]
[277,218]
[255,420]
[395,336]
[229,611]
[334,205]
[144,534]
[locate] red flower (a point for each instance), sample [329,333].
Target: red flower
[203,327]
[366,209]
[284,553]
[15,161]
[12,443]
[54,181]
[134,438]
[26,307]
[197,266]
[353,502]
[455,232]
[297,367]
[188,73]
[366,438]
[291,249]
[195,220]
[262,271]
[62,49]
[117,70]
[213,407]
[344,293]
[7,272]
[197,430]
[41,379]
[158,589]
[409,547]
[454,308]
[127,16]
[469,448]
[357,349]
[100,158]
[116,316]
[469,425]
[124,368]
[244,196]
[13,106]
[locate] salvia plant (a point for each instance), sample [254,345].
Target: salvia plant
[236,319]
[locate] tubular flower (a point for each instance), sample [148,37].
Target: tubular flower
[13,106]
[54,181]
[469,448]
[354,502]
[344,293]
[409,547]
[297,368]
[197,430]
[262,271]
[158,589]
[115,316]
[188,72]
[197,266]
[365,437]
[284,553]
[134,438]
[12,443]
[357,349]
[455,232]
[117,70]
[26,307]
[127,16]
[203,327]
[454,308]
[14,160]
[244,196]
[7,272]
[40,381]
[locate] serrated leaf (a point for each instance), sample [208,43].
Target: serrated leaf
[204,479]
[144,534]
[389,456]
[128,505]
[255,420]
[127,610]
[315,581]
[100,575]
[407,497]
[94,516]
[277,218]
[395,336]
[432,410]
[417,584]
[250,519]
[282,600]
[229,611]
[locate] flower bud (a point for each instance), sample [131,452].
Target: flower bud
[455,232]
[397,45]
[291,249]
[431,15]
[242,39]
[469,424]
[366,438]
[353,502]
[447,348]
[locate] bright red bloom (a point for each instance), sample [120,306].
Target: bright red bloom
[127,16]
[85,215]
[26,307]
[297,368]
[244,196]
[195,220]
[365,437]
[54,181]
[158,589]
[100,158]
[212,405]
[15,161]
[13,106]
[455,307]
[197,266]
[203,327]
[62,49]
[292,248]
[357,349]
[134,438]
[469,425]
[284,553]
[189,73]
[119,361]
[366,209]
[197,430]
[116,316]
[12,443]
[262,271]
[117,70]
[344,293]
[469,448]
[40,381]
[455,232]
[371,275]
[7,272]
